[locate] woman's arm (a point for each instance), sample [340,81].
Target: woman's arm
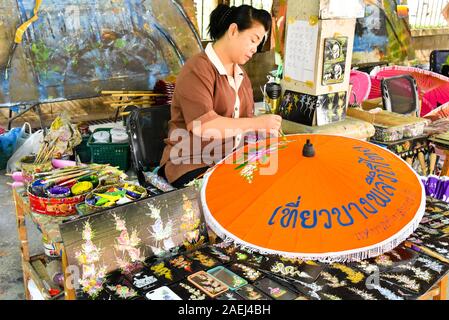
[223,127]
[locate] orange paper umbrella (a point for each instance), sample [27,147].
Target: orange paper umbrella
[352,200]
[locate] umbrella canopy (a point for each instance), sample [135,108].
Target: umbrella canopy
[352,200]
[435,98]
[438,113]
[433,87]
[361,86]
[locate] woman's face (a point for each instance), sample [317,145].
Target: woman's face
[243,44]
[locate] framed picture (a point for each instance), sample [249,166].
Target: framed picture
[335,50]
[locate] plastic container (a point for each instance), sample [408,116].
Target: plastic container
[103,189]
[115,154]
[414,130]
[388,134]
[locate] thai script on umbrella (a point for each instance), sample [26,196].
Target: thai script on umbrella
[380,178]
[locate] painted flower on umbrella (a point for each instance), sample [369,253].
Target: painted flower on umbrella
[92,276]
[250,161]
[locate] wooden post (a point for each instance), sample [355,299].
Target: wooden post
[445,170]
[443,289]
[69,291]
[23,238]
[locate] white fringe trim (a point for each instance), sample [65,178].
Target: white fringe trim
[328,257]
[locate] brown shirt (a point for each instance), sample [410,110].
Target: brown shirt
[203,92]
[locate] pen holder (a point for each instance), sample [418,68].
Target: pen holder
[272,97]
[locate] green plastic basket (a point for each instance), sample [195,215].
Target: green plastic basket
[115,154]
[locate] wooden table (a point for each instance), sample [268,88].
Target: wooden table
[49,228]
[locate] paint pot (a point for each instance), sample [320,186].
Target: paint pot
[58,192]
[50,248]
[38,188]
[117,131]
[84,129]
[101,137]
[119,137]
[82,187]
[54,270]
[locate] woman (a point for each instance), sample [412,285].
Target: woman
[213,101]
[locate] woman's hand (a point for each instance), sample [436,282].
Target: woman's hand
[269,122]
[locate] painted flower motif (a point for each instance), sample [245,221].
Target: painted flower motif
[192,236]
[250,161]
[134,254]
[155,212]
[384,260]
[160,232]
[127,245]
[365,295]
[407,282]
[351,275]
[248,172]
[120,224]
[93,275]
[123,292]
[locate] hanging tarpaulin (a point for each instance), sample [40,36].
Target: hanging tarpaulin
[21,30]
[75,49]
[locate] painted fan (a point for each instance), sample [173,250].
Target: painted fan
[433,87]
[361,86]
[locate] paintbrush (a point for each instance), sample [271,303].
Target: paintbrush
[52,175]
[427,251]
[282,134]
[62,179]
[76,178]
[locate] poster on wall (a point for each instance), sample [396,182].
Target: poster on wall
[335,50]
[333,9]
[301,48]
[313,110]
[371,37]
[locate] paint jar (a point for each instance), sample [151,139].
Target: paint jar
[101,137]
[54,270]
[50,248]
[120,137]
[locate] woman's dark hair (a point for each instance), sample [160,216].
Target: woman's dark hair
[244,16]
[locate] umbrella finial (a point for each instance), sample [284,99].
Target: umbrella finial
[308,150]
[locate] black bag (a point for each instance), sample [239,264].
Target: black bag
[147,128]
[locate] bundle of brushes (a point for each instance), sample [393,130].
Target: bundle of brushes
[73,181]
